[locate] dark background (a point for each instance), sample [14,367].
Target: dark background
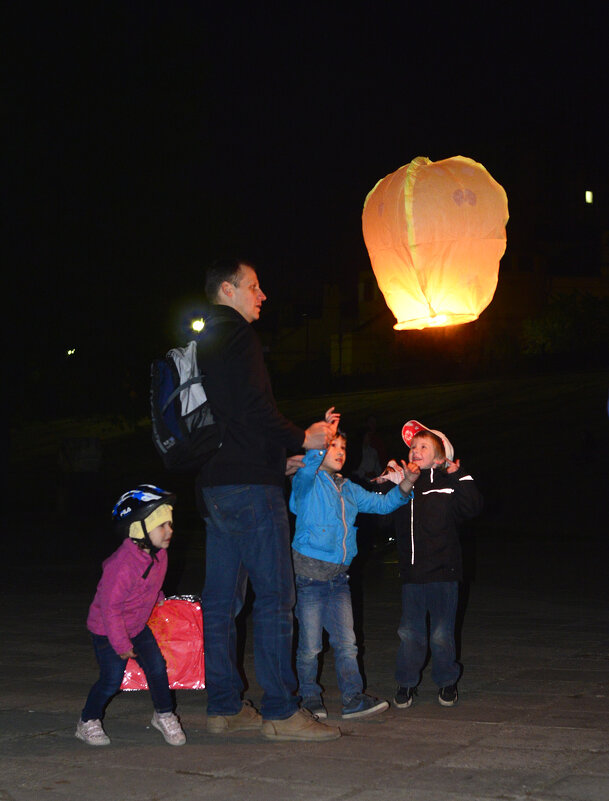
[146,138]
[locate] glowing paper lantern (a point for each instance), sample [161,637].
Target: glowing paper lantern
[435,232]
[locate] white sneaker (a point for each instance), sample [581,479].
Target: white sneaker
[170,727]
[91,732]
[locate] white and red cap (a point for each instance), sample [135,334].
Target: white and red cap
[413,427]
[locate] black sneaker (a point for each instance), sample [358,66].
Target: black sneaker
[404,697]
[315,707]
[448,696]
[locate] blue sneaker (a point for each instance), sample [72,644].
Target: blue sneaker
[315,707]
[364,706]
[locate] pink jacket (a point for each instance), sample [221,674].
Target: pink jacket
[124,600]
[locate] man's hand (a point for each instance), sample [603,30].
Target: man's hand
[128,654]
[452,467]
[317,436]
[293,464]
[333,419]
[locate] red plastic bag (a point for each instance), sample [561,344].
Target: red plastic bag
[178,628]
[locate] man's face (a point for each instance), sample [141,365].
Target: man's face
[247,296]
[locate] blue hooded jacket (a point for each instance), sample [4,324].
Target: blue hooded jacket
[326,510]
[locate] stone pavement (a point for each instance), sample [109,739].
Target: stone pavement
[532,722]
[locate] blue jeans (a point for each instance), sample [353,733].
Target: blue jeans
[439,599]
[248,535]
[112,668]
[326,605]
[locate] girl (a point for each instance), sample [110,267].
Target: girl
[129,588]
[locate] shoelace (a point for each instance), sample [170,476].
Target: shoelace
[171,724]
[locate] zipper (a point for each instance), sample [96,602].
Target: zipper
[412,530]
[342,507]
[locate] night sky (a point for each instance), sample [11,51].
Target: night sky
[147,138]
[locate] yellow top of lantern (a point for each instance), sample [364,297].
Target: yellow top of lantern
[435,233]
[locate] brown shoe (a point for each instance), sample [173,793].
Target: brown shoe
[302,725]
[248,719]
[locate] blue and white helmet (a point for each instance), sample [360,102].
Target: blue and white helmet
[135,506]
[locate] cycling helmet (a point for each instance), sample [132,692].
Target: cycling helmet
[134,513]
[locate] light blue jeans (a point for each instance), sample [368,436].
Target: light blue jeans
[439,599]
[248,535]
[326,605]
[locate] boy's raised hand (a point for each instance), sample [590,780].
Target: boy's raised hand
[452,467]
[333,419]
[411,471]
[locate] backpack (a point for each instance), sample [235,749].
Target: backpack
[184,430]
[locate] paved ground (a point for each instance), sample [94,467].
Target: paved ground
[532,723]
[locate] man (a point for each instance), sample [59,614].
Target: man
[246,517]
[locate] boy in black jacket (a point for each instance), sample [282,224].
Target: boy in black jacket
[430,562]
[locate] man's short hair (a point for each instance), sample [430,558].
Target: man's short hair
[222,270]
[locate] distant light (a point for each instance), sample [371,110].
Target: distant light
[198,325]
[70,351]
[589,197]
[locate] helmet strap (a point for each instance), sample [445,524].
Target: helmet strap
[152,549]
[146,545]
[139,534]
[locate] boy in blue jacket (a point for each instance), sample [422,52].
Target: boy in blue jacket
[326,505]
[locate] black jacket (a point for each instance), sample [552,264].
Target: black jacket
[427,533]
[239,390]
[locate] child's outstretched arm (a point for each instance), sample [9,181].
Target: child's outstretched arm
[411,472]
[293,463]
[384,503]
[304,478]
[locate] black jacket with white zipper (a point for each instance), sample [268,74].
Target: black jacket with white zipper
[427,532]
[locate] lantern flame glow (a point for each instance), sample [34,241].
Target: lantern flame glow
[435,233]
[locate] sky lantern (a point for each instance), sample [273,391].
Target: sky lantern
[435,233]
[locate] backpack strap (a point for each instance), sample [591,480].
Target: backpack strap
[197,379]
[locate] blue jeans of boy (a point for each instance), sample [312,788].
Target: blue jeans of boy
[112,668]
[248,535]
[439,599]
[326,605]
